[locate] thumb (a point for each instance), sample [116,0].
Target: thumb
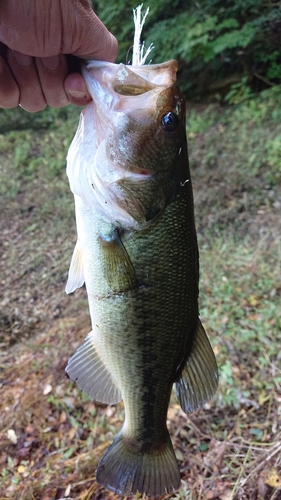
[92,40]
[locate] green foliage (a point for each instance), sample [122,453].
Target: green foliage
[235,154]
[243,313]
[26,155]
[246,140]
[200,122]
[212,40]
[18,119]
[239,92]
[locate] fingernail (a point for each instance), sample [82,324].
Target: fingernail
[77,94]
[52,62]
[22,59]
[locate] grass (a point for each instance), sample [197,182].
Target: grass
[240,303]
[237,155]
[232,448]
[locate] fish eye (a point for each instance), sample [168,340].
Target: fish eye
[169,121]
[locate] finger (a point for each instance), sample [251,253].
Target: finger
[76,89]
[9,91]
[98,44]
[52,72]
[25,73]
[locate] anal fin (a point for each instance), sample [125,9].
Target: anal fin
[198,380]
[75,274]
[87,369]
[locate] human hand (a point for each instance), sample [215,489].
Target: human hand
[38,39]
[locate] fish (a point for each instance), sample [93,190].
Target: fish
[137,253]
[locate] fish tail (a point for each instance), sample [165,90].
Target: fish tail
[126,471]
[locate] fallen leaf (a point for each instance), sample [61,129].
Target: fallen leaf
[63,417]
[72,433]
[262,488]
[226,495]
[272,478]
[220,454]
[11,435]
[67,491]
[47,389]
[253,301]
[179,455]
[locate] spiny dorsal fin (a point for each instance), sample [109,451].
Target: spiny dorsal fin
[75,274]
[199,377]
[87,369]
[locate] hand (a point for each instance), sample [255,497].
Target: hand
[38,39]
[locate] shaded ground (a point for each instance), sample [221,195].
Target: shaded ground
[51,436]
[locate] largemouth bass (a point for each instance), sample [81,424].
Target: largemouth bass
[137,253]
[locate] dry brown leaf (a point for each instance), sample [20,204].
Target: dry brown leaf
[226,495]
[262,488]
[72,433]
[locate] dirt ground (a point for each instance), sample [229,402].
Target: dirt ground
[51,435]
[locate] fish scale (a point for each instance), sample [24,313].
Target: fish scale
[137,253]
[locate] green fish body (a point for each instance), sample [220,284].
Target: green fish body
[137,253]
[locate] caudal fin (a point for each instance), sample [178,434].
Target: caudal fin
[126,471]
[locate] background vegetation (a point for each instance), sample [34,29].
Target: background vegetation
[217,42]
[51,435]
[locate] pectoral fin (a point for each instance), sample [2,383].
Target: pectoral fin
[87,369]
[118,268]
[198,380]
[75,274]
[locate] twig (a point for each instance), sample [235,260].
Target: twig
[194,427]
[241,472]
[273,366]
[256,469]
[84,481]
[246,444]
[265,80]
[89,492]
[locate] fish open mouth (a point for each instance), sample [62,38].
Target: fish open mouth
[120,142]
